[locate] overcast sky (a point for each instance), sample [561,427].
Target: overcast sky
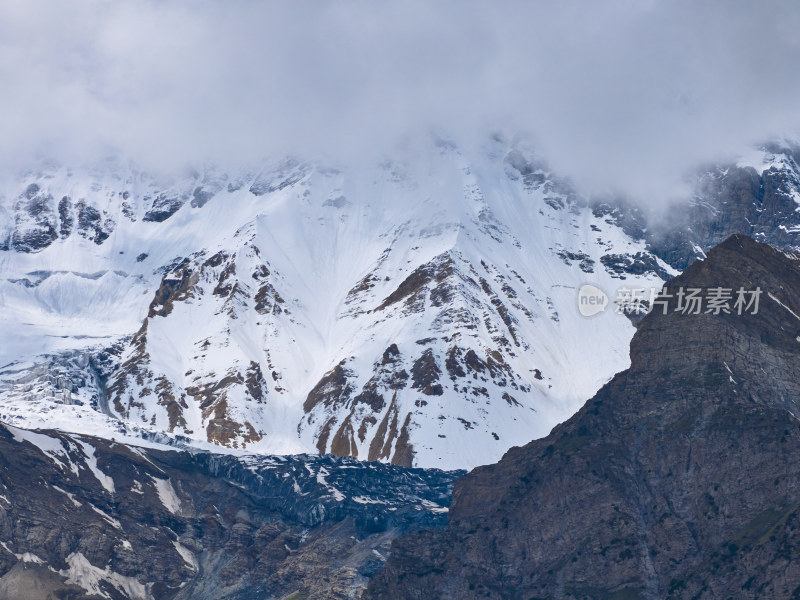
[624,94]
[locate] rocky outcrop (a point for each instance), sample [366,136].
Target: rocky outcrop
[36,220]
[163,206]
[224,395]
[679,479]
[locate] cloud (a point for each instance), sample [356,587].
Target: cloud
[623,95]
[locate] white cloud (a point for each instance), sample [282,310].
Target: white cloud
[625,94]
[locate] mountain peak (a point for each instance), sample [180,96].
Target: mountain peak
[745,293]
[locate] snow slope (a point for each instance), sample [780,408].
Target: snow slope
[421,311]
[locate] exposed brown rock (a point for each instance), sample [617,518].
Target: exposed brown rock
[501,309]
[224,431]
[207,394]
[344,443]
[324,434]
[225,286]
[268,300]
[365,423]
[404,451]
[166,398]
[333,389]
[381,446]
[175,286]
[371,398]
[453,363]
[411,289]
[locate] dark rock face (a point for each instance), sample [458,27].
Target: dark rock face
[65,215]
[201,196]
[586,264]
[334,388]
[36,221]
[84,518]
[425,374]
[727,199]
[679,479]
[163,207]
[632,264]
[732,200]
[92,224]
[40,221]
[412,290]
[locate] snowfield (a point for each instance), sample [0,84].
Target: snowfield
[421,311]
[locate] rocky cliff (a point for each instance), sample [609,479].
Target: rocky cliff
[679,479]
[83,518]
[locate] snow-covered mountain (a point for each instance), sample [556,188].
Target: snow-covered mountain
[421,310]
